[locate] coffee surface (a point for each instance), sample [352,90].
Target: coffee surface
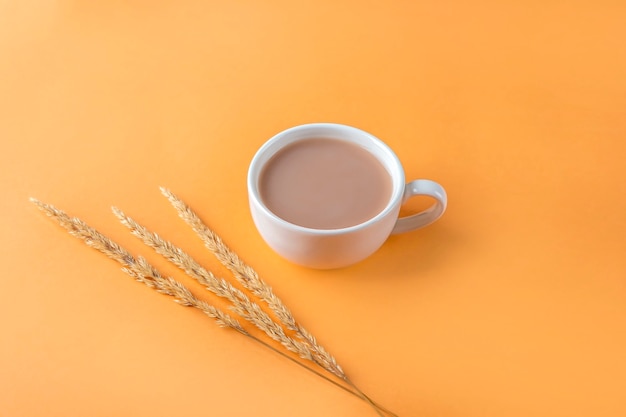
[325,184]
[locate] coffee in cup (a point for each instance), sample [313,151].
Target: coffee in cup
[322,183]
[326,195]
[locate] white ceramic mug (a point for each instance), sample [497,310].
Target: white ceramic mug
[335,248]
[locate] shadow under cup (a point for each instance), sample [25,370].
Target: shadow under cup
[326,248]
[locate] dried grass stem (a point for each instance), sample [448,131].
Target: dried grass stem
[139,268]
[249,278]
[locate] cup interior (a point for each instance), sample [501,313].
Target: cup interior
[349,134]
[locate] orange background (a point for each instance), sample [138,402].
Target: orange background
[513,304]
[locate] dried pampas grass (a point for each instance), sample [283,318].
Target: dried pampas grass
[278,323]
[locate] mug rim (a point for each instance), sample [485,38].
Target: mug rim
[394,169]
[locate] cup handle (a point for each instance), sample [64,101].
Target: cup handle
[426,188]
